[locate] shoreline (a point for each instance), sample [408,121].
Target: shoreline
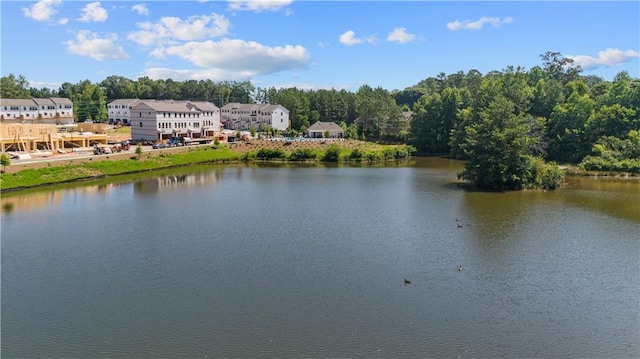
[83,167]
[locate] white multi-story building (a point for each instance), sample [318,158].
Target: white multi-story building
[160,120]
[46,107]
[120,110]
[237,116]
[210,116]
[37,110]
[64,107]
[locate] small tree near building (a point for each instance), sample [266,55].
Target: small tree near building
[4,161]
[139,150]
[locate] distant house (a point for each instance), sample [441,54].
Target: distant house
[64,107]
[55,110]
[46,107]
[238,116]
[325,129]
[160,120]
[120,110]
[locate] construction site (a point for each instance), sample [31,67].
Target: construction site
[24,141]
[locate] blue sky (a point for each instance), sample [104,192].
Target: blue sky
[309,44]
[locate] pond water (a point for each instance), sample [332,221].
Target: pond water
[310,261]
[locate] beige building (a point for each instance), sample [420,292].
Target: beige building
[325,130]
[37,138]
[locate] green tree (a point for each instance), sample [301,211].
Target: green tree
[497,148]
[374,107]
[4,161]
[567,124]
[139,150]
[560,68]
[118,87]
[14,87]
[612,120]
[546,95]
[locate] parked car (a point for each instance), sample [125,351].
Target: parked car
[175,141]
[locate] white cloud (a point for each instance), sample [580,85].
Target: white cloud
[400,35]
[42,10]
[168,30]
[89,44]
[240,55]
[141,9]
[40,84]
[233,59]
[94,12]
[349,39]
[608,57]
[258,5]
[478,24]
[307,87]
[63,21]
[203,74]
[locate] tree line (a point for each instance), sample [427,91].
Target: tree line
[503,122]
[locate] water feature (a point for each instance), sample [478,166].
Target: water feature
[310,261]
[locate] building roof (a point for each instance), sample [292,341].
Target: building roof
[43,101]
[271,108]
[325,126]
[164,106]
[61,101]
[231,105]
[125,101]
[204,105]
[16,102]
[253,107]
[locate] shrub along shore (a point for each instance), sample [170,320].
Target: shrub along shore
[340,151]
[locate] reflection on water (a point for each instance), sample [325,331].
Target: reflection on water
[176,182]
[162,181]
[309,261]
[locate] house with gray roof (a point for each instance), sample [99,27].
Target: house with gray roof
[325,130]
[64,107]
[119,110]
[53,110]
[46,107]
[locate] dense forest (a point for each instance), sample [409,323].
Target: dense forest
[505,123]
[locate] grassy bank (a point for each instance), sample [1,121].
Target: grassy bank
[574,170]
[87,170]
[351,151]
